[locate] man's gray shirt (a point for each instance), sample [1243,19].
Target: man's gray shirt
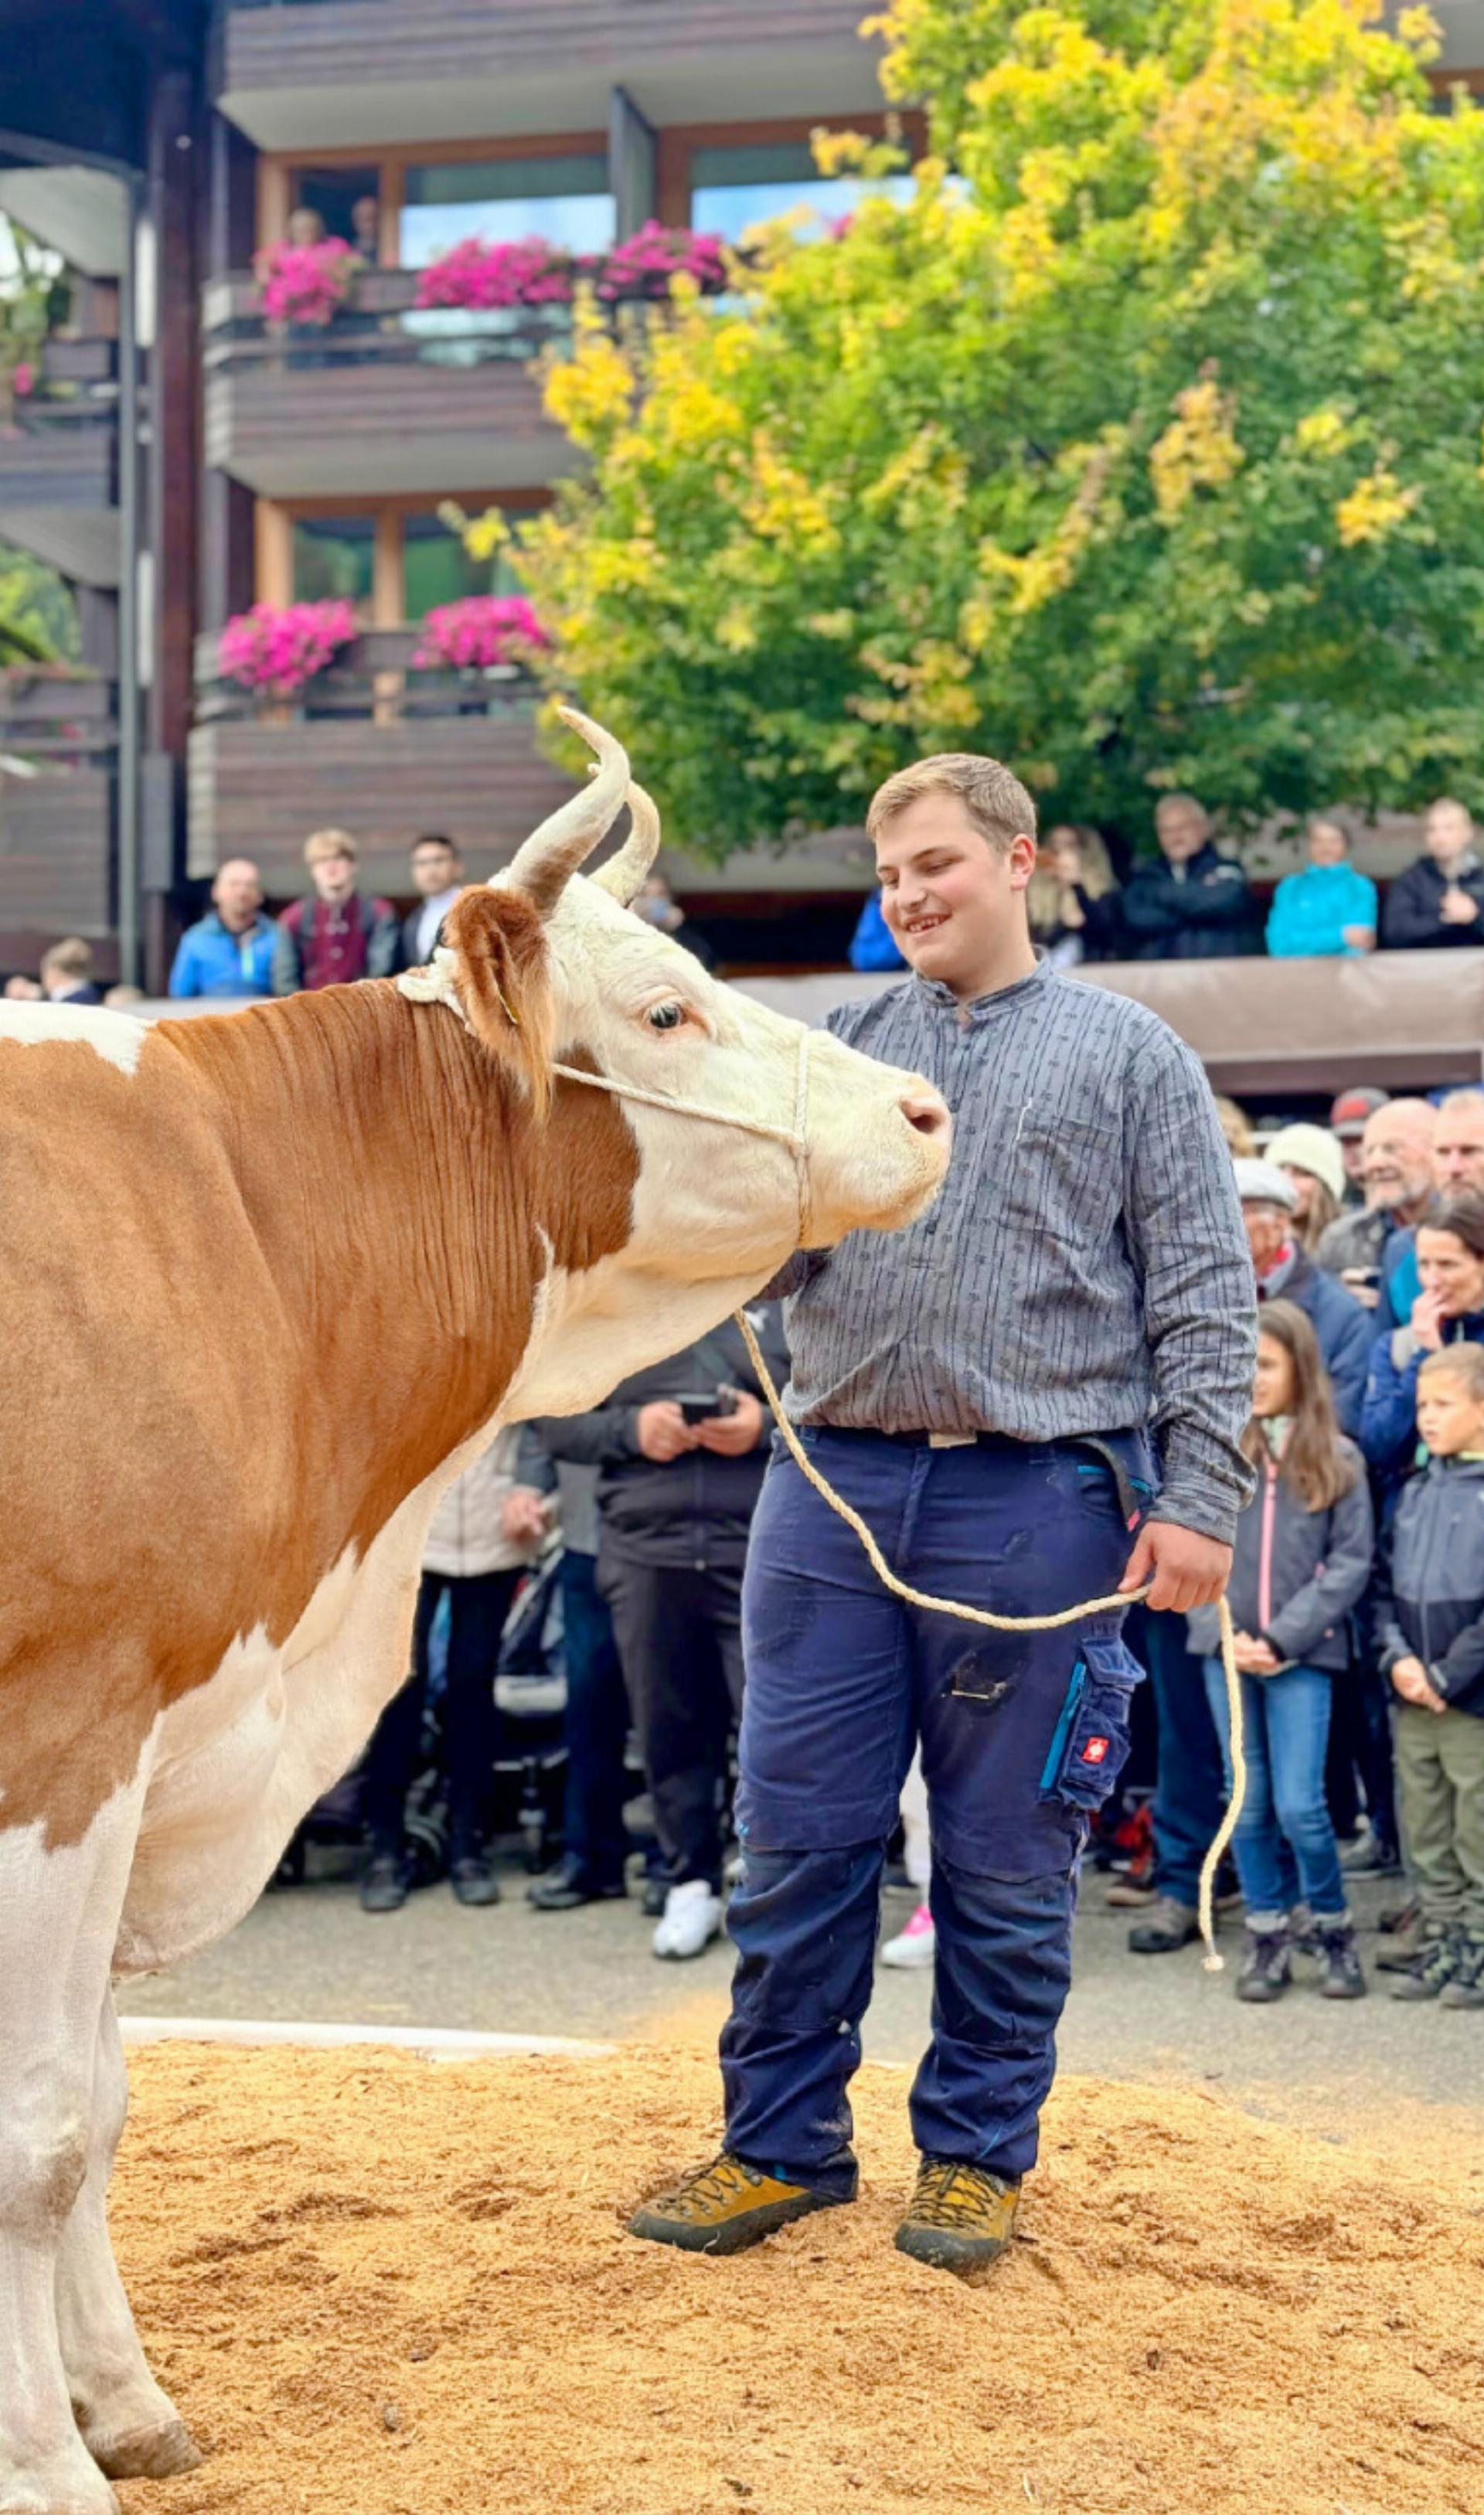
[1085,1268]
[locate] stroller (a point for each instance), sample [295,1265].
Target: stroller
[529,1775]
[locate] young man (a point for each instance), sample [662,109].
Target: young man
[230,951]
[333,936]
[999,1391]
[437,877]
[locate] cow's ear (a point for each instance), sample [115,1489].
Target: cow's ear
[504,980]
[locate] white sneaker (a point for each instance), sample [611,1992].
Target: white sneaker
[691,1919]
[915,1946]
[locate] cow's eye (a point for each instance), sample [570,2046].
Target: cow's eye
[665,1016]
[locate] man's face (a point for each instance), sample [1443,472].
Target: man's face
[1458,1149]
[237,894]
[947,895]
[1450,833]
[1396,1158]
[434,870]
[1268,1234]
[334,875]
[1180,828]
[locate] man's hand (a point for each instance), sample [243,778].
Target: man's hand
[731,1436]
[1184,1570]
[1412,1683]
[1360,939]
[1456,908]
[662,1433]
[1357,1283]
[524,1516]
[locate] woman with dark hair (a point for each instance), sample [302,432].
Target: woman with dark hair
[1073,898]
[1448,1310]
[1301,1562]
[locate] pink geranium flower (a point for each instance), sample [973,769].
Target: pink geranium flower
[483,629]
[274,652]
[303,283]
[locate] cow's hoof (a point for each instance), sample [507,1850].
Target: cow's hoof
[150,2453]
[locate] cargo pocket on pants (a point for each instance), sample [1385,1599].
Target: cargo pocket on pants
[1090,1745]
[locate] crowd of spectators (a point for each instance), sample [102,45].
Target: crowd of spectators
[1193,902]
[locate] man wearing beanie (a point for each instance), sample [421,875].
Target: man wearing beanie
[1269,1210]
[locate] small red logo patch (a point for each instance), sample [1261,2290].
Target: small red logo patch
[1096,1750]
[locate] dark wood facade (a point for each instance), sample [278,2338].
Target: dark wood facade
[58,741]
[258,789]
[339,43]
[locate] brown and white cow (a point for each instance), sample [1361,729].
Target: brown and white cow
[270,1280]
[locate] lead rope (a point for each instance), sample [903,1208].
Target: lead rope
[794,1139]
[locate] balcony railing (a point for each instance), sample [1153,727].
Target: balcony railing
[382,397]
[375,677]
[58,741]
[59,439]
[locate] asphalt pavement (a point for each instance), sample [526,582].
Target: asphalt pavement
[308,1953]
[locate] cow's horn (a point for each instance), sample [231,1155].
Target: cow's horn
[547,860]
[623,873]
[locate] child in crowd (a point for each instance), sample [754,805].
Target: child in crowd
[1430,1635]
[1301,1563]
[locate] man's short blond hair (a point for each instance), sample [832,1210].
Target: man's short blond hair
[329,842]
[992,795]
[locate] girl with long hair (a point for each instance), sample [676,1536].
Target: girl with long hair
[1302,1561]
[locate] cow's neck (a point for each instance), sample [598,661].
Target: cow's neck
[406,1208]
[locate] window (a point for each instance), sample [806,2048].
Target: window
[347,200]
[734,189]
[334,554]
[438,568]
[564,200]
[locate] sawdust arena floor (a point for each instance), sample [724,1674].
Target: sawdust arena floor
[380,2285]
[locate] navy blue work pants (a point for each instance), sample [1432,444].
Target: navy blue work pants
[1022,1735]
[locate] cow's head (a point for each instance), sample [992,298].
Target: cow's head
[547,965]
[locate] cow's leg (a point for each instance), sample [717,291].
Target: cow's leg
[132,2429]
[59,1914]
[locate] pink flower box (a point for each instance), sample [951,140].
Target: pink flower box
[305,283]
[481,630]
[273,652]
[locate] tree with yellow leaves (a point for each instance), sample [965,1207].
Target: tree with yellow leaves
[1139,445]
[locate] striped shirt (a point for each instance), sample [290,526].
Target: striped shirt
[1085,1270]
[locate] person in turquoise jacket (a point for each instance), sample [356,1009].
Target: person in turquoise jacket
[1327,909]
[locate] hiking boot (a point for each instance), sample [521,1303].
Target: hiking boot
[383,1888]
[1467,1989]
[1168,1927]
[724,2207]
[1334,1943]
[1267,1967]
[915,1944]
[1398,1955]
[1431,1969]
[1127,1895]
[960,2217]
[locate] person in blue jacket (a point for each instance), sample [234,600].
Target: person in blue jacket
[870,944]
[1448,1310]
[1328,909]
[230,952]
[1269,1207]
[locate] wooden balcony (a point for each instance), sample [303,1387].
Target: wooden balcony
[317,73]
[57,751]
[380,399]
[59,462]
[374,749]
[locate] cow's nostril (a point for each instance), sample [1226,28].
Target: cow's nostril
[925,1111]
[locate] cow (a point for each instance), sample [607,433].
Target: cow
[272,1279]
